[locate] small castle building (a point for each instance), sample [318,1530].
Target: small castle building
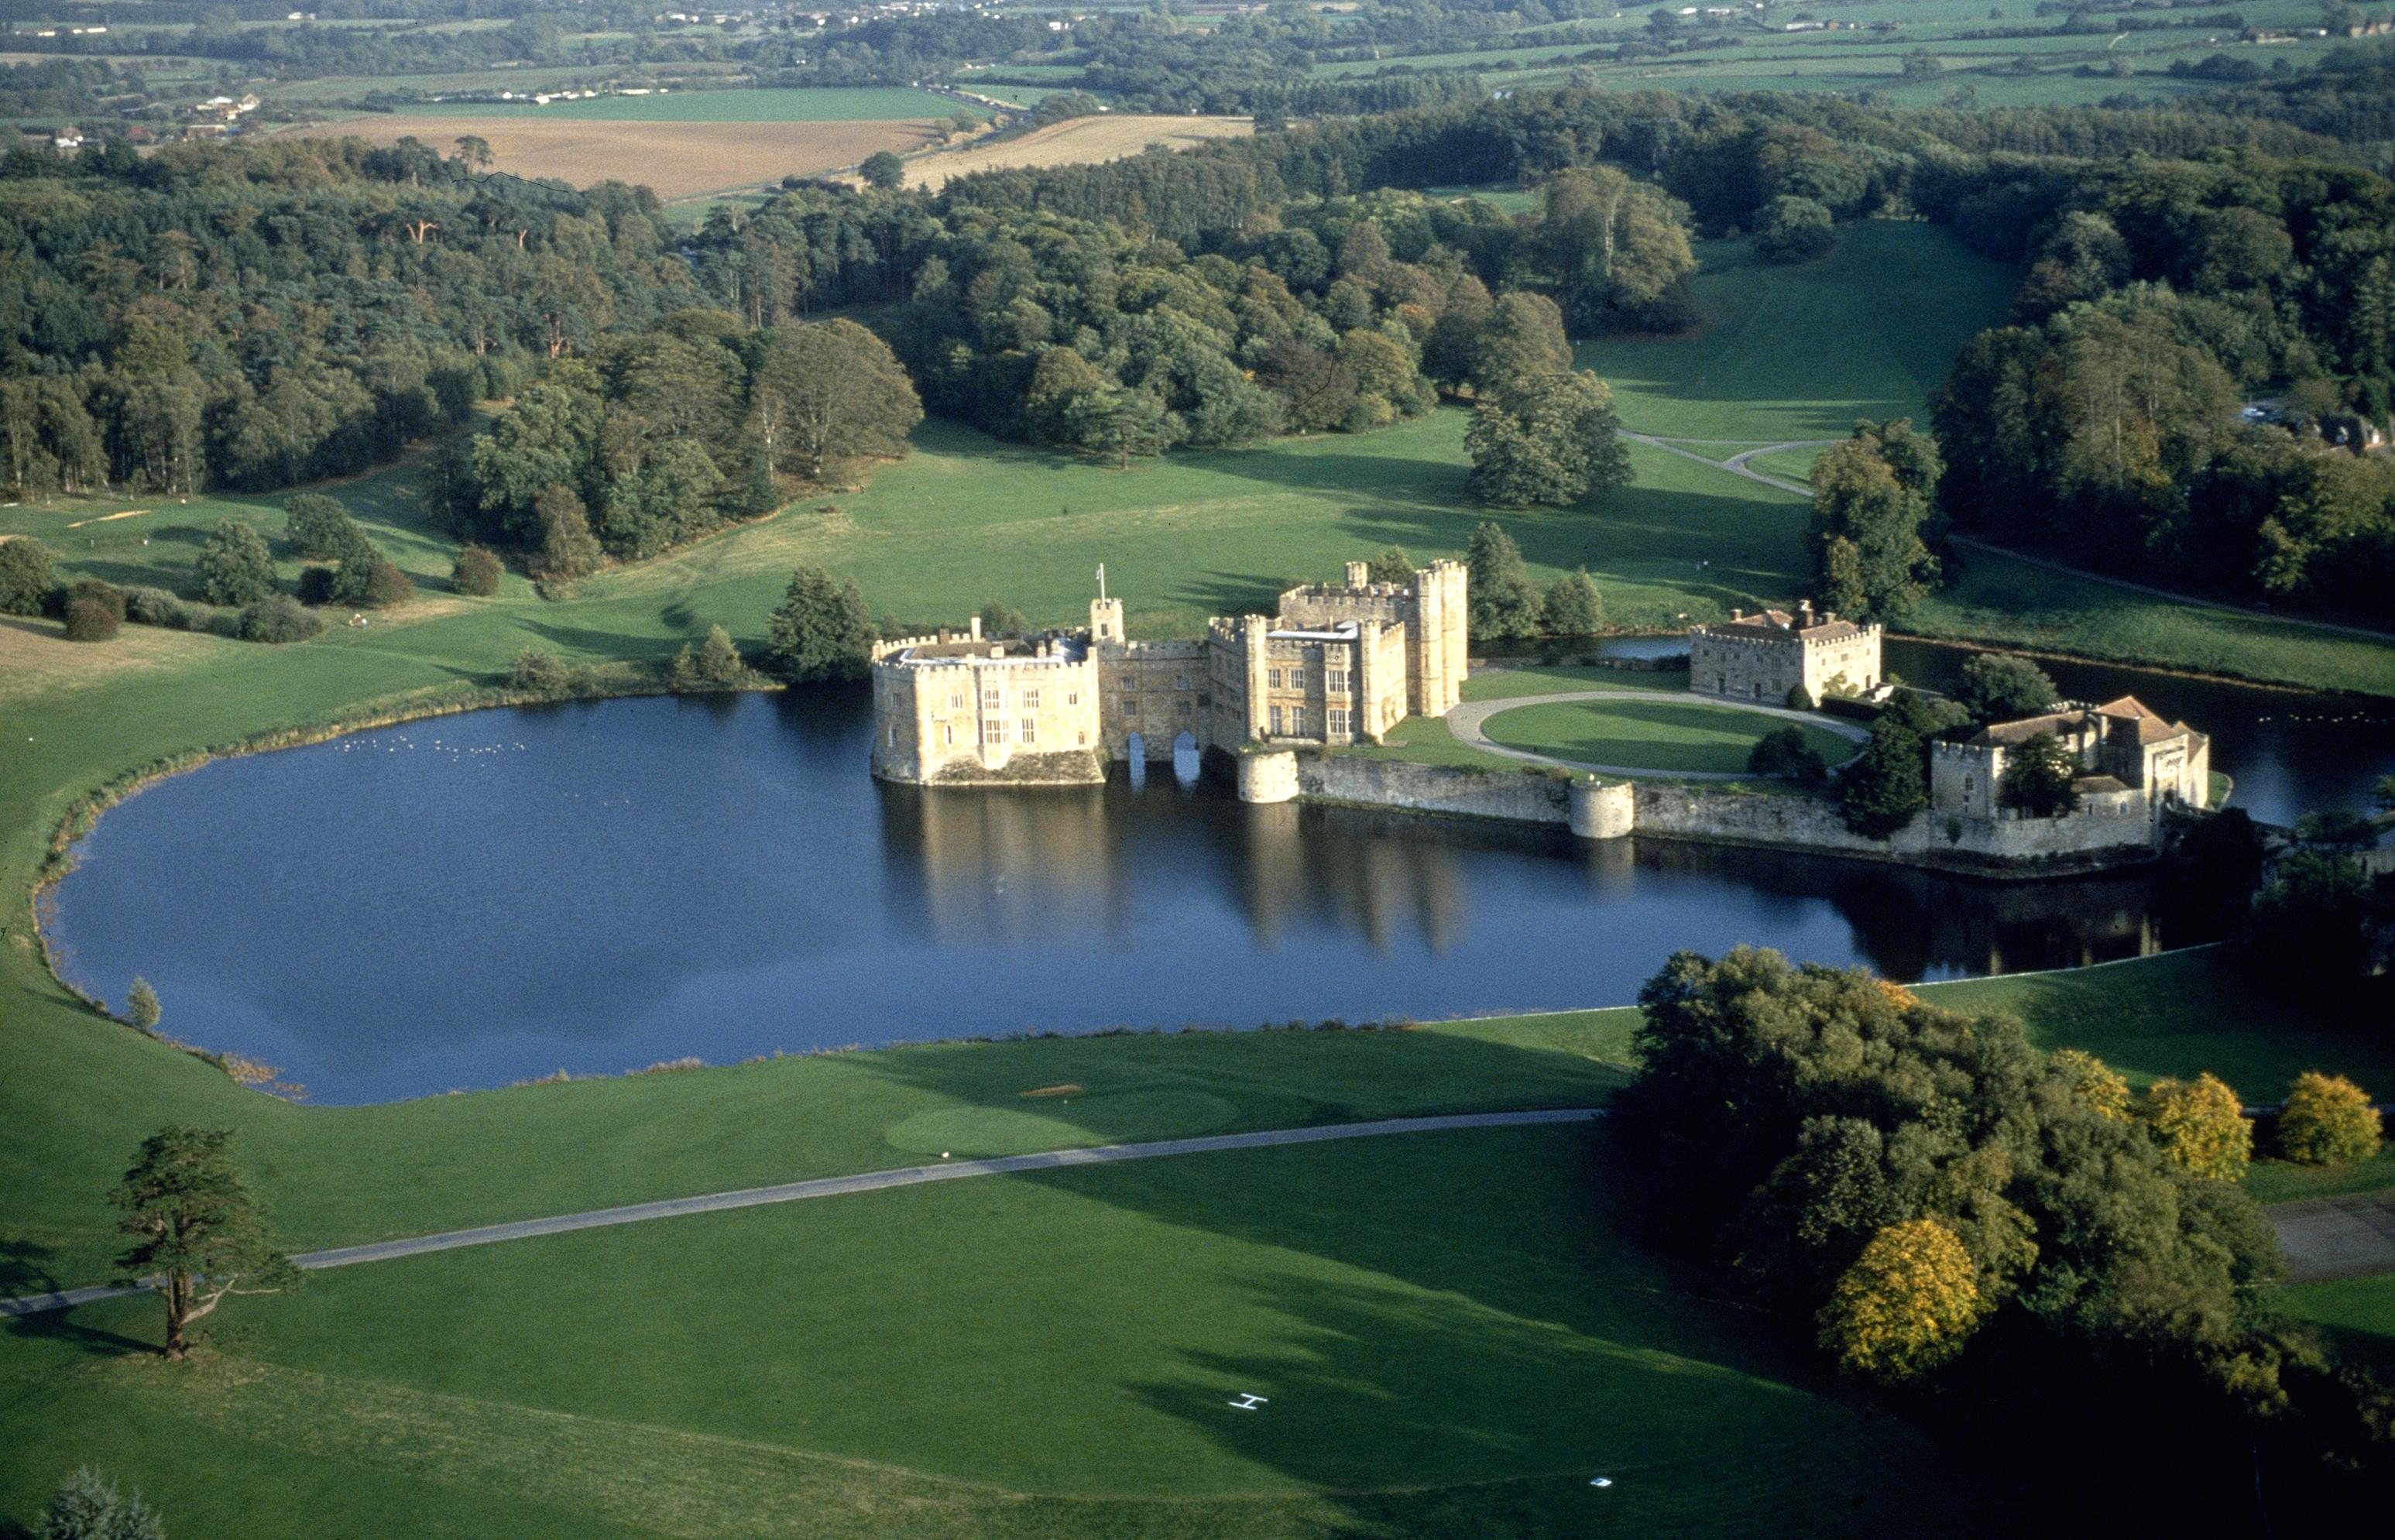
[1772,654]
[1338,664]
[2136,761]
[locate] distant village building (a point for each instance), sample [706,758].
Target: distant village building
[1771,654]
[1338,665]
[2136,761]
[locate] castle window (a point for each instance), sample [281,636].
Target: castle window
[1131,706]
[1031,700]
[1276,721]
[1336,681]
[894,735]
[1181,709]
[990,700]
[1031,729]
[1338,722]
[948,733]
[1272,677]
[994,731]
[1072,697]
[956,700]
[1180,681]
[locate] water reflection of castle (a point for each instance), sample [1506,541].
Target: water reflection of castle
[1020,868]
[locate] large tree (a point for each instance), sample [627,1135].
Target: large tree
[2328,1120]
[235,565]
[1546,439]
[2039,776]
[27,576]
[1906,1305]
[835,392]
[821,630]
[1503,603]
[197,1228]
[1871,497]
[1997,686]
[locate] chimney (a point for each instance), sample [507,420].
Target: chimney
[972,629]
[1359,574]
[1829,618]
[1804,614]
[1736,614]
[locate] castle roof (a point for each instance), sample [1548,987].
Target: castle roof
[2128,714]
[1773,625]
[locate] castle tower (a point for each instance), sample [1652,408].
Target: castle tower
[1254,634]
[1359,574]
[1105,621]
[1440,640]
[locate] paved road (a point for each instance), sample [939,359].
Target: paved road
[2347,1237]
[1466,719]
[1737,465]
[834,1187]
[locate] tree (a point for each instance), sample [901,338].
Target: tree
[1883,787]
[1998,687]
[538,671]
[883,171]
[2309,926]
[1573,607]
[2327,1121]
[89,620]
[821,630]
[719,660]
[196,1227]
[1793,230]
[1113,420]
[837,393]
[1394,567]
[89,1508]
[1502,602]
[2200,1125]
[568,549]
[1783,754]
[319,527]
[235,565]
[1546,439]
[141,1005]
[1906,1305]
[474,151]
[27,576]
[476,571]
[2038,777]
[1871,496]
[2094,1084]
[997,620]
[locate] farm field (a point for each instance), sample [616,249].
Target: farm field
[1074,141]
[813,104]
[1034,1345]
[1659,735]
[673,159]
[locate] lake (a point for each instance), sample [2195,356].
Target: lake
[473,900]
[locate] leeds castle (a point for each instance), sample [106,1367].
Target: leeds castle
[1336,664]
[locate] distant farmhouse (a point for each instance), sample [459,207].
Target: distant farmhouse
[1771,655]
[2136,761]
[1337,665]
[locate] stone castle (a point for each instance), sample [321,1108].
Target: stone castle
[1772,655]
[2136,762]
[1337,665]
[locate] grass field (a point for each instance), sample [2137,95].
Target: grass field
[1007,1356]
[1074,141]
[1659,735]
[805,104]
[2354,1316]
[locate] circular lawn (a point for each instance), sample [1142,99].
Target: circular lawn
[1677,736]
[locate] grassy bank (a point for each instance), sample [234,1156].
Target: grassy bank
[1660,735]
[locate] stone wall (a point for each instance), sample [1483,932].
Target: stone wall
[1524,797]
[1797,822]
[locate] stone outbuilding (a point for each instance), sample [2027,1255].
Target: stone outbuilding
[1771,654]
[2135,759]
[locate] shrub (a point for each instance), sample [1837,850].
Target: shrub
[27,576]
[2328,1121]
[235,566]
[715,665]
[89,1508]
[2199,1125]
[377,582]
[476,571]
[539,670]
[141,1005]
[157,607]
[318,526]
[107,596]
[277,618]
[1783,754]
[89,620]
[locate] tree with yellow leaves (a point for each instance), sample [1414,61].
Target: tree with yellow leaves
[2327,1121]
[2200,1125]
[1906,1305]
[2094,1082]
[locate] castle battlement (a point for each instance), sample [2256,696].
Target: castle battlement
[1775,654]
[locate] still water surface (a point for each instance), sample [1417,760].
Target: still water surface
[473,900]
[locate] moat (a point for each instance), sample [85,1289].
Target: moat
[472,901]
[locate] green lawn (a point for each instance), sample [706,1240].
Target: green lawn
[1033,1355]
[1656,735]
[1800,352]
[1502,684]
[2355,1317]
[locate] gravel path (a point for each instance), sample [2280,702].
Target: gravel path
[1464,720]
[2347,1237]
[834,1187]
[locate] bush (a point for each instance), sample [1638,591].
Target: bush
[377,583]
[89,1508]
[1783,754]
[157,607]
[276,618]
[716,665]
[89,620]
[1793,230]
[235,566]
[27,576]
[476,571]
[318,526]
[539,671]
[107,596]
[2199,1125]
[2328,1121]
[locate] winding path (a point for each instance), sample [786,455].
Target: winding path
[835,1187]
[1737,466]
[1466,719]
